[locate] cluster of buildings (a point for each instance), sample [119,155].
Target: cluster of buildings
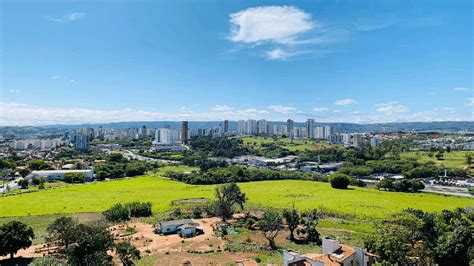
[38,144]
[308,131]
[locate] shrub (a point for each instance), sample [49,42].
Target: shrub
[339,181]
[117,213]
[139,209]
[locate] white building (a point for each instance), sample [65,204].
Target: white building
[310,129]
[59,174]
[375,141]
[166,136]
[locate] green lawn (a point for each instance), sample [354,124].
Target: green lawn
[287,143]
[454,159]
[362,202]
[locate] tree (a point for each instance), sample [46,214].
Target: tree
[92,244]
[468,156]
[117,213]
[14,236]
[74,178]
[23,183]
[37,165]
[292,219]
[339,181]
[270,225]
[309,221]
[439,155]
[227,196]
[386,184]
[62,232]
[127,253]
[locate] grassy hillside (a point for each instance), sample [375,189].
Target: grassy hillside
[97,197]
[454,159]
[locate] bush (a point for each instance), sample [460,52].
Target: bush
[139,209]
[197,213]
[117,213]
[23,183]
[339,181]
[74,178]
[123,212]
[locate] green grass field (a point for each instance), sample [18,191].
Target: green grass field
[454,159]
[287,143]
[96,197]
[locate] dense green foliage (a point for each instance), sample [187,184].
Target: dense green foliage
[123,212]
[339,181]
[218,146]
[415,237]
[270,225]
[74,178]
[239,174]
[227,196]
[127,253]
[116,166]
[14,236]
[92,243]
[62,233]
[403,185]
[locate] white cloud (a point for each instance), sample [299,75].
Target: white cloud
[461,89]
[14,91]
[221,108]
[391,108]
[345,102]
[63,78]
[320,109]
[280,31]
[470,101]
[277,24]
[69,17]
[283,109]
[185,110]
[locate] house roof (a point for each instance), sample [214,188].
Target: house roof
[175,222]
[335,258]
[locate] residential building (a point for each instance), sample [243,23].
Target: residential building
[310,129]
[59,174]
[81,142]
[289,128]
[184,132]
[262,126]
[334,254]
[375,141]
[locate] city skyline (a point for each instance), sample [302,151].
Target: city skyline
[332,62]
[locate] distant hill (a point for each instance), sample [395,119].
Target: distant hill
[338,127]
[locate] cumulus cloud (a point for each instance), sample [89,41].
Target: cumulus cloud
[345,102]
[14,91]
[391,108]
[470,101]
[320,109]
[283,109]
[69,17]
[63,78]
[281,30]
[221,108]
[461,89]
[278,24]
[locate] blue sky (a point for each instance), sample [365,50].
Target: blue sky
[336,61]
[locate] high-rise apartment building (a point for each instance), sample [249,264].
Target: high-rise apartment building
[184,132]
[310,129]
[226,126]
[262,126]
[289,128]
[81,142]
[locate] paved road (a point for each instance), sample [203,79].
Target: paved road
[12,184]
[455,191]
[130,155]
